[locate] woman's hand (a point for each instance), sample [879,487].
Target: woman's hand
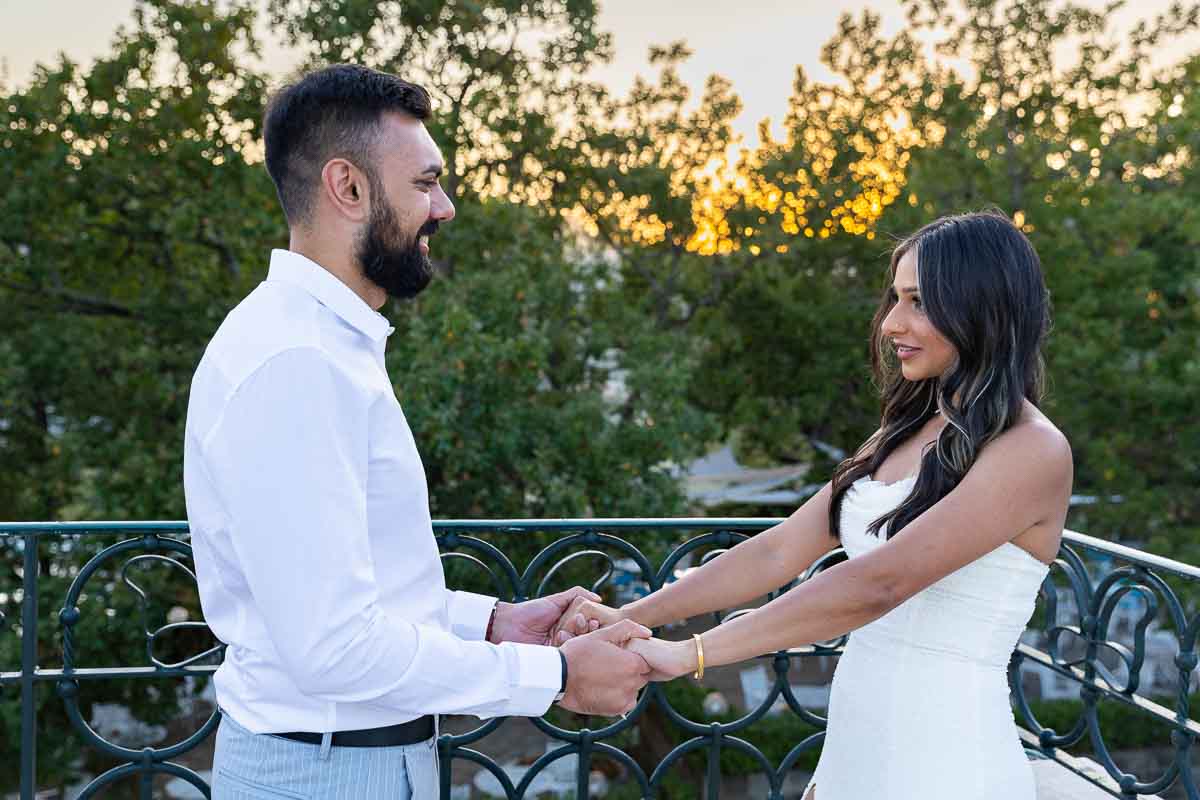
[667,660]
[582,616]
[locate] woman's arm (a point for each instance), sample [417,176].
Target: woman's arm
[752,568]
[758,565]
[1020,480]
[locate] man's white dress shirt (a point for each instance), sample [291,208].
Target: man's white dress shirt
[310,524]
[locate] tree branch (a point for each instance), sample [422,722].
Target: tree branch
[76,302]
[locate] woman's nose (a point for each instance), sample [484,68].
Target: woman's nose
[893,323]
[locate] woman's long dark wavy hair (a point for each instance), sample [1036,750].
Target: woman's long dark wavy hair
[980,283]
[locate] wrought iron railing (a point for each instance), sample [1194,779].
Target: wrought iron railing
[1093,585]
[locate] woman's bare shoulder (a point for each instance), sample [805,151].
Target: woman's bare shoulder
[1037,425]
[1035,443]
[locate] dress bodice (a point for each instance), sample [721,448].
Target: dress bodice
[976,613]
[919,706]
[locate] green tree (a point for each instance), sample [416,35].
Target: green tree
[137,213]
[1093,157]
[1093,154]
[131,223]
[786,366]
[130,220]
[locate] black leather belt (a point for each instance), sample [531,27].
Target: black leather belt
[418,730]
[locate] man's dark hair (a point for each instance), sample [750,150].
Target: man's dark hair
[334,112]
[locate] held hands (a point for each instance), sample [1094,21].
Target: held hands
[666,659]
[604,675]
[544,620]
[609,657]
[585,613]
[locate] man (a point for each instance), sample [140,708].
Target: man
[307,499]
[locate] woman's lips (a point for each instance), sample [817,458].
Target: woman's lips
[904,352]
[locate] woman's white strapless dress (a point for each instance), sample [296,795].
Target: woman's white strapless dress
[919,704]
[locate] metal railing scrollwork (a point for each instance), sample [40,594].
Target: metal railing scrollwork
[1101,631]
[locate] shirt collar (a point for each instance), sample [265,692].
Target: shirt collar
[327,289]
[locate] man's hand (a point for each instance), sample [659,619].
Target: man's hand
[602,676]
[584,614]
[667,660]
[539,621]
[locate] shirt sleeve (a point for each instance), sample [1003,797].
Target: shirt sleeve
[289,457]
[469,614]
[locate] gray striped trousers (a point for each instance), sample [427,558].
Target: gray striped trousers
[256,766]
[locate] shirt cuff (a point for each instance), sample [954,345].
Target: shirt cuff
[469,614]
[539,678]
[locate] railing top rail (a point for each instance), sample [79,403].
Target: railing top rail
[727,523]
[1131,554]
[89,526]
[502,525]
[83,528]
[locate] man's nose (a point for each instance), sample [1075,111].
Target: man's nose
[443,207]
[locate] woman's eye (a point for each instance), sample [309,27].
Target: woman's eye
[916,301]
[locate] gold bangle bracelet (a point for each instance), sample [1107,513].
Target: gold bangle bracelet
[699,673]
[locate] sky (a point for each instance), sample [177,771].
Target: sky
[755,43]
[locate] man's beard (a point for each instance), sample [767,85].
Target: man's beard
[397,267]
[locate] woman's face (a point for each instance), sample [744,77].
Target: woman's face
[922,350]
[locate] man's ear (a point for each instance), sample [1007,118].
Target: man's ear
[346,190]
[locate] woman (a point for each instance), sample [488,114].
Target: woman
[950,514]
